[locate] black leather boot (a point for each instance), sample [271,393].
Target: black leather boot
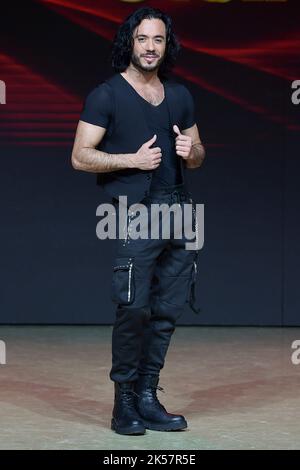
[125,419]
[152,412]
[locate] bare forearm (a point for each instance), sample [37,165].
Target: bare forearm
[197,156]
[90,159]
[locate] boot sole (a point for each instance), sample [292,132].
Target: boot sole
[133,430]
[164,427]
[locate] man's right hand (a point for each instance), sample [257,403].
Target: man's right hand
[146,158]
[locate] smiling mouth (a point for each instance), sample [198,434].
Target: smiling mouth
[150,59]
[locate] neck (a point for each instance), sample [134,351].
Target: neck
[141,77]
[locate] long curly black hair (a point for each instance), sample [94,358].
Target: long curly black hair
[123,42]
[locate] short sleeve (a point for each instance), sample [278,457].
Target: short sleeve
[98,106]
[188,105]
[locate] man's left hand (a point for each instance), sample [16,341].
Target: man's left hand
[183,144]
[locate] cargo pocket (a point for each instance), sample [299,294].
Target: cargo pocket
[192,284]
[123,285]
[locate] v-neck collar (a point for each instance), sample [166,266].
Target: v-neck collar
[152,105]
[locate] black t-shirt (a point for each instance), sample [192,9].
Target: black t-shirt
[98,110]
[168,172]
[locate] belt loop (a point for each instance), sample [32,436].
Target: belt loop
[176,195]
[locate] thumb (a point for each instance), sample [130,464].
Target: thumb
[176,129]
[151,141]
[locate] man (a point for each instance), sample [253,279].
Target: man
[145,131]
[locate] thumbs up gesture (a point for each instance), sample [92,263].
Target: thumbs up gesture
[147,158]
[183,144]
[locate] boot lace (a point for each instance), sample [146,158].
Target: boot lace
[155,397]
[127,395]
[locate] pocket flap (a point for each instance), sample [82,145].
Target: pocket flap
[123,287]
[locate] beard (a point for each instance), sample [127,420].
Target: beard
[147,67]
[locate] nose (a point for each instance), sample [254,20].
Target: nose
[150,45]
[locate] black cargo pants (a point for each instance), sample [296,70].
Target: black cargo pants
[152,281]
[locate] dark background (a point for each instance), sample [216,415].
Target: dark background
[238,60]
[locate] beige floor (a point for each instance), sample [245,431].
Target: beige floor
[237,387]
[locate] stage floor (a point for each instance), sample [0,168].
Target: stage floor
[237,387]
